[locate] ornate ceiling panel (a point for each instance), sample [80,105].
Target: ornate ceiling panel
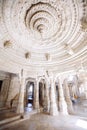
[49,34]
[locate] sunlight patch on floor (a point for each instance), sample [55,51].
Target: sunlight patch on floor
[82,124]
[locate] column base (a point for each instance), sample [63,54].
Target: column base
[69,106]
[20,110]
[54,110]
[63,107]
[70,110]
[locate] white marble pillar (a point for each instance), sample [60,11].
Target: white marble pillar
[53,104]
[36,97]
[85,88]
[77,87]
[62,102]
[47,96]
[20,107]
[67,97]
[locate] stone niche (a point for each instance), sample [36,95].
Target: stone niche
[13,93]
[4,87]
[9,89]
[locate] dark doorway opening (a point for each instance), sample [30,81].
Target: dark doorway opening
[30,96]
[1,85]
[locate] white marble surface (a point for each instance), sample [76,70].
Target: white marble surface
[46,122]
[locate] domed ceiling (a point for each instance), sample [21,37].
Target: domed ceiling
[46,35]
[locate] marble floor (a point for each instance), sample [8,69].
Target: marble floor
[47,122]
[7,113]
[41,121]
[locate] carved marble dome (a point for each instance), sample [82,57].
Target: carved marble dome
[41,35]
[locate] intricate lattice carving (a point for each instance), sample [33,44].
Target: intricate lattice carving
[43,19]
[41,26]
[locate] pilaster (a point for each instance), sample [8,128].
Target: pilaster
[62,102]
[22,78]
[53,104]
[67,97]
[36,98]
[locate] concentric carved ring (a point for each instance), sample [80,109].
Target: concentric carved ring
[42,19]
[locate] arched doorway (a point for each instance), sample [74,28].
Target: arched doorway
[73,87]
[43,95]
[57,93]
[29,96]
